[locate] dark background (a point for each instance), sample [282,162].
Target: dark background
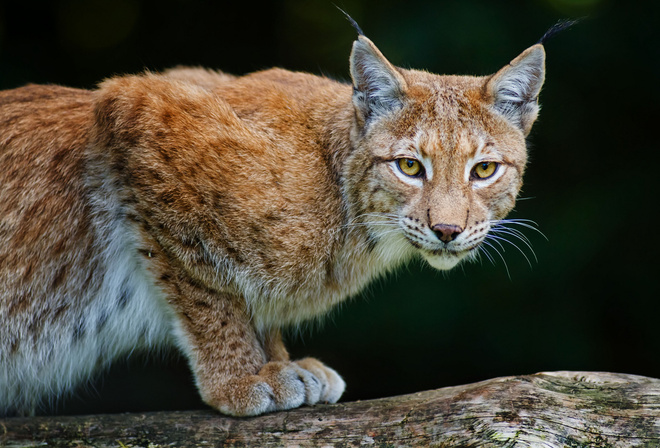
[591,300]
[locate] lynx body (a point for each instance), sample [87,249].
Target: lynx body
[205,211]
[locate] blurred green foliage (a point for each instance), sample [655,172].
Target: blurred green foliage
[591,300]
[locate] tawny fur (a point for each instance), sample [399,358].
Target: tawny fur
[206,211]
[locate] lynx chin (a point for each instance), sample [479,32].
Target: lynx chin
[204,211]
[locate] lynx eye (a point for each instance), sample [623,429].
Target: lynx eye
[484,170]
[410,167]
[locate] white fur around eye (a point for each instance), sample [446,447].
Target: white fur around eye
[427,163]
[485,153]
[417,181]
[482,183]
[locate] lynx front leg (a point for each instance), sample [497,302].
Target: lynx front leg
[240,372]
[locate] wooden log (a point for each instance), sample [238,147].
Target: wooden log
[555,409]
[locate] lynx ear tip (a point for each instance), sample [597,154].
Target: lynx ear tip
[537,52]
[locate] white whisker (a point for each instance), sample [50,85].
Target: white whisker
[501,256]
[388,232]
[527,223]
[518,235]
[496,240]
[499,238]
[510,231]
[484,251]
[502,228]
[368,224]
[378,215]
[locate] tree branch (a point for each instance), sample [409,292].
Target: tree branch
[557,409]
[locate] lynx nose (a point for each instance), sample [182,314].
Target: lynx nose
[446,232]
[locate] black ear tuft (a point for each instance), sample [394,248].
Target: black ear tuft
[556,28]
[351,21]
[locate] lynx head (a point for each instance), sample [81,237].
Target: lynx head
[438,160]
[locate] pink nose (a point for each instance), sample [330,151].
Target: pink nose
[446,232]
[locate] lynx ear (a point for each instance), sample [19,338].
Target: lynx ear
[378,88]
[514,90]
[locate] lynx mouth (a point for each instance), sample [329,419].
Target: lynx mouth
[445,251]
[444,259]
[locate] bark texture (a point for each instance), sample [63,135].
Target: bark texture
[554,409]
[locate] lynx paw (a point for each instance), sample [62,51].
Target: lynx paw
[332,384]
[281,385]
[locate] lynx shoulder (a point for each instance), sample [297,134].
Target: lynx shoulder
[205,211]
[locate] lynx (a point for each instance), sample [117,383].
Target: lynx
[206,212]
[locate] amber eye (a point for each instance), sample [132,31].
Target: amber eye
[484,170]
[410,167]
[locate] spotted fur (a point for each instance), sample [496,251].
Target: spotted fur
[205,211]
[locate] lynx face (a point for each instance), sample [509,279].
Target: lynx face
[446,154]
